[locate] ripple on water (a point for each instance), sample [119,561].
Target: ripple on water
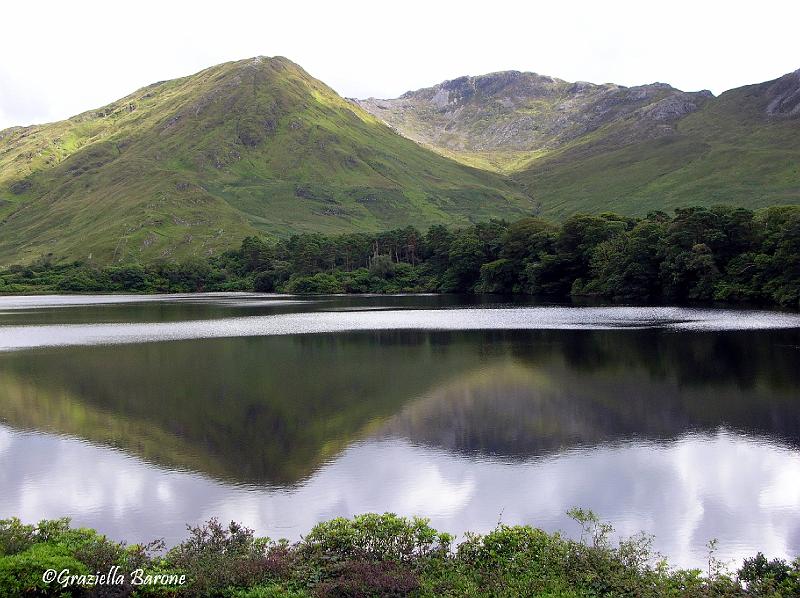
[348,320]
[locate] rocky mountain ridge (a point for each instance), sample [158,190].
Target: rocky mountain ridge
[517,111]
[587,147]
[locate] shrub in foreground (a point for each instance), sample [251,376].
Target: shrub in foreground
[373,555]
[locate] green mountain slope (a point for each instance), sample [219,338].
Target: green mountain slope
[584,147]
[190,166]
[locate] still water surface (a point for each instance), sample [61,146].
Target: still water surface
[137,415]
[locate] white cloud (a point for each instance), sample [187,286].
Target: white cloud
[60,58]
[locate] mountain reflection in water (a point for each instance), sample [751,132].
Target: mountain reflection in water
[688,434]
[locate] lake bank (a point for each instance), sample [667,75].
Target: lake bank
[371,555]
[699,255]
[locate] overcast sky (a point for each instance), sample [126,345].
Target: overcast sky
[61,58]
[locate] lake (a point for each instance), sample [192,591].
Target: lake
[139,414]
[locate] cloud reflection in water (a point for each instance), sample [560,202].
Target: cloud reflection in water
[684,491]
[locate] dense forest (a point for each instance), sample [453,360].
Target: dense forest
[696,255]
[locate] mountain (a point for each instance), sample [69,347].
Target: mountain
[190,166]
[502,120]
[586,147]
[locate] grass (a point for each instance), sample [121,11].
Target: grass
[191,166]
[569,160]
[702,164]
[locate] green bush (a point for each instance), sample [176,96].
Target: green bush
[216,557]
[382,266]
[362,281]
[21,573]
[499,276]
[15,536]
[268,591]
[374,537]
[318,284]
[770,577]
[380,555]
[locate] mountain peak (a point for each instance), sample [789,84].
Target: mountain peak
[462,89]
[525,111]
[267,64]
[192,165]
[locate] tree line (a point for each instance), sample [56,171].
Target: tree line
[695,255]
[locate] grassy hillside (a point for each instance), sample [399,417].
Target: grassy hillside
[733,151]
[583,147]
[190,166]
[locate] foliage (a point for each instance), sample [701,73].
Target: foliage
[380,555]
[27,551]
[216,557]
[698,255]
[374,537]
[21,573]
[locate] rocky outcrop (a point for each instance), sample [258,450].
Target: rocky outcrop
[512,111]
[671,108]
[784,96]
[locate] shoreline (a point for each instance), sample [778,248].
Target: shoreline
[372,554]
